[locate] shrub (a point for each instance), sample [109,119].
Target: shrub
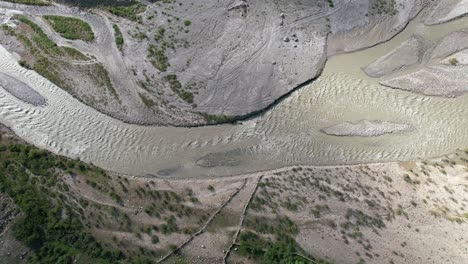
[119,40]
[453,61]
[24,64]
[70,27]
[154,239]
[29,2]
[126,11]
[176,87]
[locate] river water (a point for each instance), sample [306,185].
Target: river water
[288,134]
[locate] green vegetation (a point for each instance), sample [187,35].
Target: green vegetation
[266,251]
[50,60]
[29,2]
[453,61]
[130,11]
[61,225]
[48,225]
[159,34]
[165,39]
[356,218]
[70,27]
[119,40]
[330,3]
[45,67]
[279,226]
[176,87]
[40,38]
[154,239]
[384,7]
[100,76]
[147,101]
[158,57]
[319,209]
[282,249]
[96,3]
[216,119]
[187,23]
[75,54]
[165,202]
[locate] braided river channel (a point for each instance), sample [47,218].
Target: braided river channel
[287,134]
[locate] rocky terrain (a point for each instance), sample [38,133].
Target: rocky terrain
[446,10]
[195,63]
[179,65]
[8,212]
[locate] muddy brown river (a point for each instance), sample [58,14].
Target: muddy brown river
[288,134]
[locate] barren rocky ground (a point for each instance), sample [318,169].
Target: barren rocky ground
[205,62]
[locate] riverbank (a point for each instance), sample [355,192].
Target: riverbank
[367,212]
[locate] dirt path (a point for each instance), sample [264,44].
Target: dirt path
[241,222]
[207,223]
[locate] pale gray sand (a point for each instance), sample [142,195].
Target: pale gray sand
[21,90]
[461,58]
[444,80]
[453,42]
[354,28]
[366,128]
[448,79]
[409,53]
[447,10]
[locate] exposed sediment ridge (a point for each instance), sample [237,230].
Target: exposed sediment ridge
[354,29]
[409,53]
[366,128]
[459,58]
[21,90]
[444,80]
[444,72]
[447,10]
[450,44]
